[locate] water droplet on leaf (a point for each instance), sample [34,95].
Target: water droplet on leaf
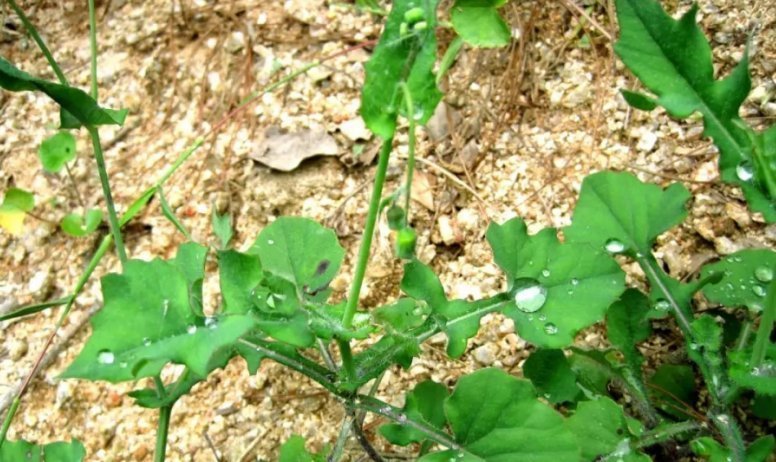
[614,246]
[763,274]
[758,290]
[574,282]
[530,296]
[106,357]
[546,273]
[744,171]
[192,329]
[662,305]
[550,329]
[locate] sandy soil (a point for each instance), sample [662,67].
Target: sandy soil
[522,127]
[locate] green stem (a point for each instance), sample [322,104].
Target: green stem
[93,47]
[113,220]
[363,253]
[763,335]
[161,432]
[666,433]
[9,418]
[342,438]
[38,40]
[374,405]
[715,378]
[410,108]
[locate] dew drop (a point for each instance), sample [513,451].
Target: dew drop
[211,322]
[744,171]
[758,290]
[270,242]
[614,246]
[106,357]
[550,329]
[192,329]
[123,365]
[146,341]
[542,317]
[165,307]
[662,305]
[418,115]
[574,282]
[763,274]
[530,296]
[546,273]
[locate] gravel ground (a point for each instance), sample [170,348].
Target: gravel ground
[519,130]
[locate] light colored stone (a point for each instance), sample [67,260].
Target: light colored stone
[485,354]
[355,129]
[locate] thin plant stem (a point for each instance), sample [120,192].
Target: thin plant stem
[39,41]
[358,430]
[161,432]
[93,47]
[342,438]
[762,338]
[74,185]
[410,108]
[363,253]
[113,220]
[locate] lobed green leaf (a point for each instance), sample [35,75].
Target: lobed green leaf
[479,23]
[745,276]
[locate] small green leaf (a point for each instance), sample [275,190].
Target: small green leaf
[425,403]
[448,59]
[398,58]
[397,218]
[600,427]
[745,278]
[639,100]
[551,374]
[627,324]
[293,450]
[558,289]
[81,225]
[479,24]
[13,451]
[19,199]
[16,203]
[56,151]
[151,318]
[619,213]
[672,388]
[406,239]
[284,248]
[759,451]
[222,228]
[75,102]
[402,316]
[496,417]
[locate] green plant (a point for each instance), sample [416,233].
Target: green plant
[275,305]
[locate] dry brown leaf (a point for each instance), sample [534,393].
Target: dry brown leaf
[285,151]
[422,190]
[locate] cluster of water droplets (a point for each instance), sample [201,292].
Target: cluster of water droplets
[757,282]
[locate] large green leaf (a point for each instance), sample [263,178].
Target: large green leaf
[75,102]
[152,317]
[745,278]
[618,212]
[558,289]
[673,59]
[300,251]
[497,418]
[479,23]
[22,451]
[425,403]
[406,53]
[601,428]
